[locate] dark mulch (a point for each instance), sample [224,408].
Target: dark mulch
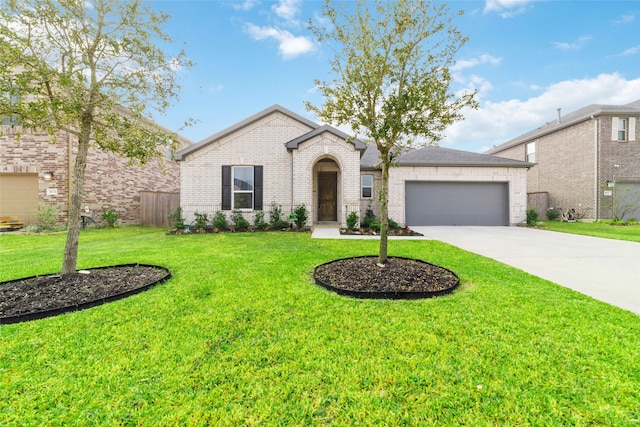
[53,292]
[400,275]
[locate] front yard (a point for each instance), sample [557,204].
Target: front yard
[241,336]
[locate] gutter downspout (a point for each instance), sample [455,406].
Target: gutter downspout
[596,190]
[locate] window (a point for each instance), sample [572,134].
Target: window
[623,129]
[531,152]
[241,187]
[367,186]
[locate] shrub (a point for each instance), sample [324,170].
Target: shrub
[110,216]
[275,217]
[219,221]
[553,214]
[176,218]
[352,220]
[532,217]
[632,221]
[369,217]
[201,222]
[259,222]
[46,217]
[239,222]
[301,216]
[393,224]
[375,225]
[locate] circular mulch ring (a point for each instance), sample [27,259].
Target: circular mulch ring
[38,297]
[401,278]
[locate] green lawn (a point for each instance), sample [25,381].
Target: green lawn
[241,336]
[597,229]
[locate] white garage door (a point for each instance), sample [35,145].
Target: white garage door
[456,203]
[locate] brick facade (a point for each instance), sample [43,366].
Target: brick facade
[109,180]
[576,158]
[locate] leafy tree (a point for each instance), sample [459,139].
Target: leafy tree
[392,66]
[93,69]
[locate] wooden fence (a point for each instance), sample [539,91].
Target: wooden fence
[155,207]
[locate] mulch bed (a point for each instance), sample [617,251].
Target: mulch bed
[401,278]
[43,296]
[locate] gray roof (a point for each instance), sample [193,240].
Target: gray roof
[326,128]
[246,122]
[438,156]
[567,120]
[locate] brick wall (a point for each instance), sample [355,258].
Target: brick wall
[109,179]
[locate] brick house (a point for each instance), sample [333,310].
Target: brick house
[35,171]
[587,160]
[277,156]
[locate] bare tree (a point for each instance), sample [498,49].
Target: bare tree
[93,69]
[392,77]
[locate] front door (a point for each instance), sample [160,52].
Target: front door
[327,196]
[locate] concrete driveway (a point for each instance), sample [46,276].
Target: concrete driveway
[605,269]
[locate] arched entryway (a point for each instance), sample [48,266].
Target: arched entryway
[326,173]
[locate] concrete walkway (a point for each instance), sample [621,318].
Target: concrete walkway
[605,269]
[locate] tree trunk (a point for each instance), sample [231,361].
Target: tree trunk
[73,223]
[384,211]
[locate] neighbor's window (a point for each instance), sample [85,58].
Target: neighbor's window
[243,187]
[623,127]
[531,152]
[367,186]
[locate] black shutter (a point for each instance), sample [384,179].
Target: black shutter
[257,188]
[226,188]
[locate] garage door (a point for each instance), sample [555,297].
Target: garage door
[628,200]
[19,196]
[456,203]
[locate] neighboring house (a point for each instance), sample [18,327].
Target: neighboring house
[279,157]
[35,171]
[587,160]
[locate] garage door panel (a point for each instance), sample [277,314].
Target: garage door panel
[19,196]
[628,199]
[456,203]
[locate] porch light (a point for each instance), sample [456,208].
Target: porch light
[48,176]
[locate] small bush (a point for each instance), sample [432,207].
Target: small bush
[553,214]
[369,217]
[176,218]
[301,216]
[110,216]
[352,220]
[46,217]
[532,217]
[239,221]
[275,217]
[219,221]
[375,225]
[201,222]
[393,224]
[632,221]
[259,222]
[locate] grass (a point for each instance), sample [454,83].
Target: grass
[597,229]
[241,336]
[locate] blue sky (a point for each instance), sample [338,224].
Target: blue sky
[526,59]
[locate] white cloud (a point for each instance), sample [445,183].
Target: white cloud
[625,19]
[289,45]
[287,10]
[470,63]
[575,45]
[244,5]
[507,8]
[631,51]
[497,122]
